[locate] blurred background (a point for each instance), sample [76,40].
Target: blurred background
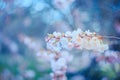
[24,24]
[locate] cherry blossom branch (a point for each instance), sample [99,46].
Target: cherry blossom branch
[57,42]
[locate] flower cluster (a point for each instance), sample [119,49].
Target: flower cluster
[57,42]
[59,64]
[79,39]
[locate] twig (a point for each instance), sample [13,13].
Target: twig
[114,37]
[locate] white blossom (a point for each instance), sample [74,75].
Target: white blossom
[78,38]
[88,32]
[64,43]
[57,34]
[53,45]
[56,65]
[68,33]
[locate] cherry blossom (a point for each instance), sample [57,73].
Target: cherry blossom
[58,42]
[82,40]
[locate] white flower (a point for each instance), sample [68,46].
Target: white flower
[51,41]
[88,32]
[61,62]
[75,34]
[57,34]
[58,64]
[64,43]
[79,31]
[68,33]
[49,46]
[84,43]
[55,47]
